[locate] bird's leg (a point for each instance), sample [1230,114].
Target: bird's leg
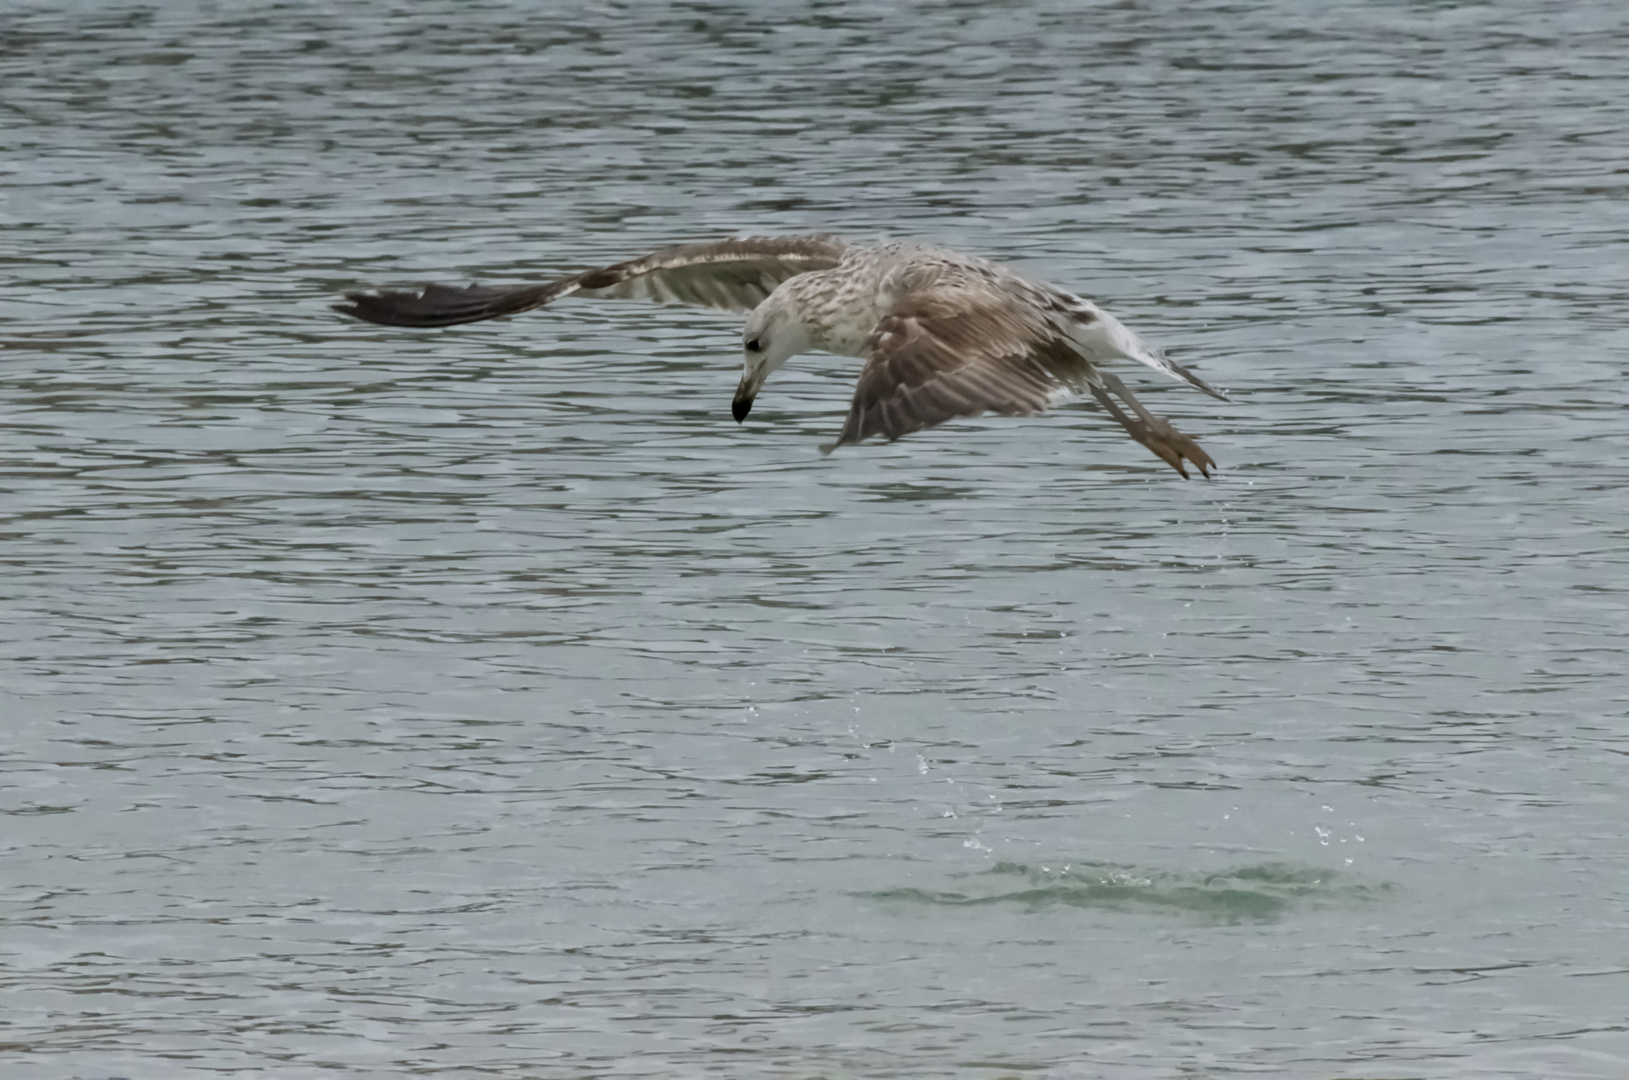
[1167,443]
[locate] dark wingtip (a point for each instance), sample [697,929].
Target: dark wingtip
[443,305]
[740,407]
[388,308]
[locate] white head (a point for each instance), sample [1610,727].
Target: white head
[773,335]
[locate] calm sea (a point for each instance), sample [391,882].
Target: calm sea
[485,703]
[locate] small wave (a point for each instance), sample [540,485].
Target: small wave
[1247,894]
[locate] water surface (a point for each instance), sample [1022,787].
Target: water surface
[487,703]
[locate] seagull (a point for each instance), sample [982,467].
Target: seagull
[942,334]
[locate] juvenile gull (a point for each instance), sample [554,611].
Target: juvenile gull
[942,334]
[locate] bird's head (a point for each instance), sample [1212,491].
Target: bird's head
[773,335]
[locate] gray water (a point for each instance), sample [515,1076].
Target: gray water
[486,703]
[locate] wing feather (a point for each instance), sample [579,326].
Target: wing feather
[444,305]
[736,275]
[958,346]
[958,352]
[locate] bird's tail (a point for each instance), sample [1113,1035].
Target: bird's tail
[1107,336]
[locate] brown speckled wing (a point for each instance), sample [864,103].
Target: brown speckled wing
[736,275]
[954,347]
[961,353]
[733,274]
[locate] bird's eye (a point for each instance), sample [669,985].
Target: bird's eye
[755,346]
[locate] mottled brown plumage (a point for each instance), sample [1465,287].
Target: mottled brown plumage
[943,335]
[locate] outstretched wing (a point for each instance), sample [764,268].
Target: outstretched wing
[733,274]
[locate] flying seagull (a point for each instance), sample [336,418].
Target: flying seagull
[942,334]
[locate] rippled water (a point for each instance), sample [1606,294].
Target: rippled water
[487,703]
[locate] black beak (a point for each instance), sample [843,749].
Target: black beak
[740,407]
